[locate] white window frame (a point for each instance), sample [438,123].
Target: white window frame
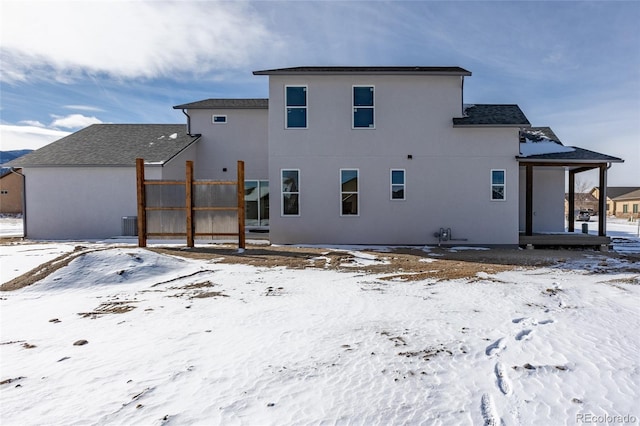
[305,107]
[404,184]
[282,193]
[214,116]
[357,191]
[503,185]
[353,107]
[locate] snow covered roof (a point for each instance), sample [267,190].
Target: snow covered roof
[492,115]
[542,144]
[258,103]
[111,145]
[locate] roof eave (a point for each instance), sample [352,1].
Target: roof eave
[361,72]
[492,125]
[534,159]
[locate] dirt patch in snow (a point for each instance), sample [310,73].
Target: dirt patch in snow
[406,264]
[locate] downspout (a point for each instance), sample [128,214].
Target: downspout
[462,96]
[24,201]
[188,122]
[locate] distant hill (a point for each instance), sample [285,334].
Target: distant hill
[6,156]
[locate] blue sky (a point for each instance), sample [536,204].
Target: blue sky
[573,66]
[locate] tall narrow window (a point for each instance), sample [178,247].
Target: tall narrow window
[349,192]
[397,184]
[498,185]
[290,192]
[256,201]
[363,108]
[635,208]
[296,107]
[625,208]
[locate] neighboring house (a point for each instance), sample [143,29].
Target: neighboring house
[10,192]
[369,155]
[622,201]
[81,186]
[583,201]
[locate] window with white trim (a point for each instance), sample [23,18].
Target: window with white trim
[219,119]
[295,107]
[349,192]
[498,185]
[290,192]
[397,184]
[363,107]
[256,202]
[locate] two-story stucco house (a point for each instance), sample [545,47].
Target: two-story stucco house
[379,155]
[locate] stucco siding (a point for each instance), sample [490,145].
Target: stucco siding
[11,193]
[448,170]
[548,199]
[243,137]
[79,202]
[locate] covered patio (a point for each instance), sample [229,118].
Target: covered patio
[574,160]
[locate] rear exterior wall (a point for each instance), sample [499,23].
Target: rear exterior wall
[447,169]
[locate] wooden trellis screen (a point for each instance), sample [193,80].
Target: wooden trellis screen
[189,208]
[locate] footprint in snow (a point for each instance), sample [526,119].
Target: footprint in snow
[488,410]
[524,335]
[495,347]
[503,379]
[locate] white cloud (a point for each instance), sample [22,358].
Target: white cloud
[74,121]
[84,108]
[27,137]
[63,39]
[34,123]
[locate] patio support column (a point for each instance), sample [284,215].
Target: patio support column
[571,217]
[529,200]
[602,201]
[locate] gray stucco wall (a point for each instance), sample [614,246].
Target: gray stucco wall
[243,137]
[548,199]
[80,203]
[447,179]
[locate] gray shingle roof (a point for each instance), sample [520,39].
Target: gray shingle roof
[579,155]
[538,134]
[383,70]
[492,115]
[226,104]
[111,145]
[621,191]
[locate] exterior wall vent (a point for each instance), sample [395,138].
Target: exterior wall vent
[129,226]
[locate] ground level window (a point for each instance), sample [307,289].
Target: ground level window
[290,192]
[397,184]
[625,208]
[497,185]
[256,202]
[635,208]
[349,192]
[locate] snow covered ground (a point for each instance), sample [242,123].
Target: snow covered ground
[123,336]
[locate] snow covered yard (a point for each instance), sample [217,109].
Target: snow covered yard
[122,335]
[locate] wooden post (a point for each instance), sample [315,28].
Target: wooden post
[602,201]
[142,212]
[571,218]
[241,214]
[529,200]
[189,203]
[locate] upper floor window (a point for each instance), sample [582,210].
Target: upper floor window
[219,119]
[397,184]
[498,185]
[296,107]
[349,192]
[363,107]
